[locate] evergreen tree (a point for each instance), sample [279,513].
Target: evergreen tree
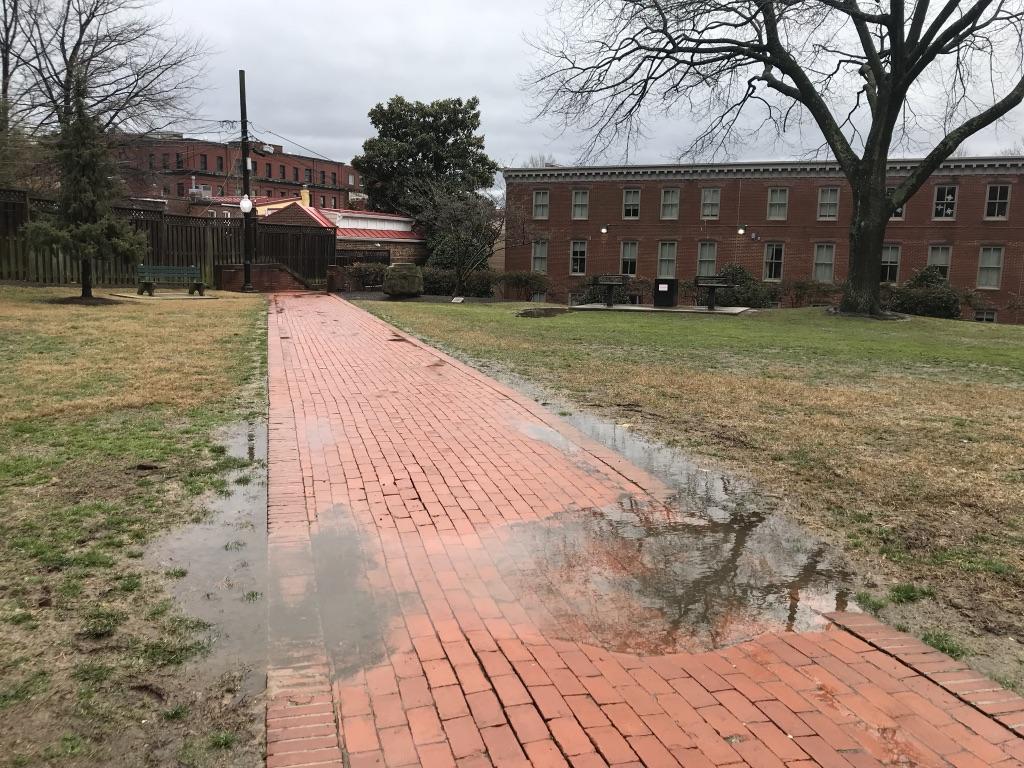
[423,144]
[85,225]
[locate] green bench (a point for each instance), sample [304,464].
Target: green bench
[149,276]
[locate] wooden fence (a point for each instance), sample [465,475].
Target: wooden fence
[173,241]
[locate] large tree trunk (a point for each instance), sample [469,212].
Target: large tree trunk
[86,269]
[867,236]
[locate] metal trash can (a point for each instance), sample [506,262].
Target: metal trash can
[666,292]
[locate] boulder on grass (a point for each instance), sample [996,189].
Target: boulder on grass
[403,281]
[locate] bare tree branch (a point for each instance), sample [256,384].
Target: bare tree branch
[140,72]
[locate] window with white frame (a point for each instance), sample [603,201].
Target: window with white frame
[578,258]
[985,315]
[997,201]
[631,203]
[773,253]
[667,259]
[707,258]
[828,204]
[541,203]
[824,262]
[940,256]
[990,267]
[580,204]
[945,202]
[778,203]
[669,204]
[897,214]
[710,202]
[629,250]
[539,262]
[890,263]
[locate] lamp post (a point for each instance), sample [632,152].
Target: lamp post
[246,205]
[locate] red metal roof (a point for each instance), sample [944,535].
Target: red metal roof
[378,234]
[324,221]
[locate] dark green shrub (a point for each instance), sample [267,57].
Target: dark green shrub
[480,283]
[444,282]
[929,277]
[362,276]
[748,290]
[926,294]
[803,293]
[438,282]
[403,281]
[523,285]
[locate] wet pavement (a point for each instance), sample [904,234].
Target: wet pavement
[456,576]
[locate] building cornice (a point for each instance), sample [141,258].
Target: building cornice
[786,168]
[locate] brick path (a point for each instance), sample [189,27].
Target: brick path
[404,633]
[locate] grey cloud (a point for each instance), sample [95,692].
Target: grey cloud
[315,68]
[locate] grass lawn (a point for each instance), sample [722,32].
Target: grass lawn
[92,647]
[899,441]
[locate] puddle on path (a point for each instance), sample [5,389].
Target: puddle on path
[224,557]
[714,565]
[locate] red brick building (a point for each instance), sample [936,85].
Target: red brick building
[184,170]
[783,221]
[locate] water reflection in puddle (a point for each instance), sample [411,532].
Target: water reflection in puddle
[223,558]
[712,564]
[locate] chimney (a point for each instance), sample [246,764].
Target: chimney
[305,197]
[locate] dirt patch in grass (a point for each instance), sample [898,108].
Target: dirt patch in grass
[897,442]
[109,436]
[79,301]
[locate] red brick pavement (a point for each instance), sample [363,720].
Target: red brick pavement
[400,635]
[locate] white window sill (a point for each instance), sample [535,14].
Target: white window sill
[995,218]
[987,288]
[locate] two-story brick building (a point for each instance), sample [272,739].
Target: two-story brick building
[783,221]
[188,172]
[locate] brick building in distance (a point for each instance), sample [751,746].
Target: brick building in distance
[783,221]
[195,176]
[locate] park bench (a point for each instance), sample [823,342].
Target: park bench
[191,277]
[712,284]
[610,283]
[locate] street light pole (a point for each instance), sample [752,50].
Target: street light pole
[247,233]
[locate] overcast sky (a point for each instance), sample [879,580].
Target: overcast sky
[314,68]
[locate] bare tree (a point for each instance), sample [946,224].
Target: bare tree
[13,54]
[871,78]
[140,72]
[540,160]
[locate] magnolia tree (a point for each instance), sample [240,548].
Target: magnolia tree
[874,78]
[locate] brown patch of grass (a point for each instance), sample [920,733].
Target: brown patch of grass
[93,392]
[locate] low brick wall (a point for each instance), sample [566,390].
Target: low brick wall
[266,278]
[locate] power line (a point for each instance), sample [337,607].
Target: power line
[292,141]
